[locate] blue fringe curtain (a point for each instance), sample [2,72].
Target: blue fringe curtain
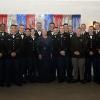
[48,19]
[21,19]
[76,21]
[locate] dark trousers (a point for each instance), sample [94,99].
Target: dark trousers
[2,67]
[28,67]
[97,68]
[90,62]
[23,69]
[44,69]
[63,68]
[69,69]
[12,70]
[31,66]
[53,68]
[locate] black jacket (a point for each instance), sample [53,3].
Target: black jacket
[13,45]
[97,43]
[91,44]
[2,43]
[28,48]
[63,41]
[78,44]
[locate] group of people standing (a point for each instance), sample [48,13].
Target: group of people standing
[38,55]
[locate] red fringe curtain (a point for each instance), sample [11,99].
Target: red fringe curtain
[58,20]
[3,19]
[30,21]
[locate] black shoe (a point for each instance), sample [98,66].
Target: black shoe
[1,85]
[61,81]
[83,81]
[70,81]
[88,81]
[8,85]
[97,82]
[75,81]
[19,84]
[24,81]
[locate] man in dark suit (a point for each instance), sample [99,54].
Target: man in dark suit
[70,34]
[29,55]
[70,31]
[3,35]
[13,46]
[97,32]
[83,30]
[51,28]
[90,54]
[78,48]
[54,55]
[2,29]
[65,27]
[21,32]
[34,57]
[62,55]
[38,30]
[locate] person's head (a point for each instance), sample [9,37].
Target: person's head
[65,27]
[2,27]
[39,26]
[56,30]
[70,29]
[83,27]
[13,29]
[21,28]
[32,31]
[91,29]
[97,26]
[51,26]
[44,32]
[61,29]
[78,31]
[27,32]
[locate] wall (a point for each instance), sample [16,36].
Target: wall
[89,10]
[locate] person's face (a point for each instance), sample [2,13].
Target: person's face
[39,26]
[32,31]
[78,32]
[56,30]
[97,26]
[70,29]
[66,28]
[83,27]
[51,26]
[2,27]
[90,29]
[44,32]
[13,29]
[61,29]
[28,33]
[21,29]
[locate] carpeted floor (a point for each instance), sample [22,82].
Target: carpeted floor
[51,91]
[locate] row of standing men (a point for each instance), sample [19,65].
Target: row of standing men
[44,56]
